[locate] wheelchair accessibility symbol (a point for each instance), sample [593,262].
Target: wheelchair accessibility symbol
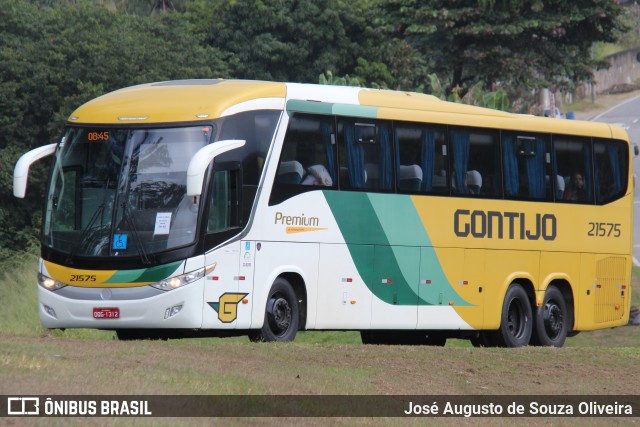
[120,241]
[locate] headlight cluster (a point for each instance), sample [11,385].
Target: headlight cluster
[184,279]
[49,283]
[164,285]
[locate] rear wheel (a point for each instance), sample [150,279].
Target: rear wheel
[516,322]
[281,317]
[551,320]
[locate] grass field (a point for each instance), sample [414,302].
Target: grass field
[35,361]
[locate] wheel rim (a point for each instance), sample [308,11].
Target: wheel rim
[516,319]
[553,319]
[279,315]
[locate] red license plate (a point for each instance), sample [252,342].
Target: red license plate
[106,313]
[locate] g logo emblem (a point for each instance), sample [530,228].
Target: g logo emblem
[227,307]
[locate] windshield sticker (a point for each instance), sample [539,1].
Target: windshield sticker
[163,223]
[120,242]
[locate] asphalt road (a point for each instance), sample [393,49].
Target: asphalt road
[627,114]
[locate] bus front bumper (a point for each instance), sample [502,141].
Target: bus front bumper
[176,309]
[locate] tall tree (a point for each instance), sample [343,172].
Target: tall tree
[514,42]
[53,58]
[289,40]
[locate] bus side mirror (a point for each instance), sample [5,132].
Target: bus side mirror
[21,170]
[636,150]
[201,160]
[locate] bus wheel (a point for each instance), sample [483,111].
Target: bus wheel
[551,319]
[281,317]
[516,323]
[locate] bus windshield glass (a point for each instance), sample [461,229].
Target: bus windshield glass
[122,192]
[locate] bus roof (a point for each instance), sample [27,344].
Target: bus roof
[173,101]
[193,100]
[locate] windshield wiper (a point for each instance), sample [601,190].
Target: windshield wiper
[126,218]
[85,232]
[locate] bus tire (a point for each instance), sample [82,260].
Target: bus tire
[516,321]
[551,320]
[281,316]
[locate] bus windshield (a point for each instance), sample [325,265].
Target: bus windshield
[122,192]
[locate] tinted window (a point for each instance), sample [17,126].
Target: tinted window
[573,169]
[422,164]
[307,161]
[475,162]
[366,161]
[526,164]
[610,166]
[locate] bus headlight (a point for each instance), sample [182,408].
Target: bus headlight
[49,283]
[179,281]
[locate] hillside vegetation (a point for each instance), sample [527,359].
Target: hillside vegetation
[57,55]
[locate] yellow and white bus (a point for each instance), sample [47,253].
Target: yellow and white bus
[226,207]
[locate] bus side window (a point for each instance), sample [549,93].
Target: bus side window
[307,161]
[610,165]
[224,202]
[365,155]
[573,164]
[526,163]
[476,162]
[422,165]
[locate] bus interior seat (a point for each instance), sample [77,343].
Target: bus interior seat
[474,182]
[318,175]
[410,178]
[561,184]
[371,173]
[290,172]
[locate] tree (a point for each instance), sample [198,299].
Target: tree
[510,42]
[289,40]
[54,58]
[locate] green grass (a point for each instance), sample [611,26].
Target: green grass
[35,361]
[19,292]
[19,315]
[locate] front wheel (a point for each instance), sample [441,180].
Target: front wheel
[282,314]
[551,320]
[516,323]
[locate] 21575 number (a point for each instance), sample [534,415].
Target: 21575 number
[604,229]
[83,278]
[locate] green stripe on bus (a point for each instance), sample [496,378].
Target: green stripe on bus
[315,107]
[296,105]
[390,248]
[153,274]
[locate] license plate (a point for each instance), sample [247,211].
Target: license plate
[106,313]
